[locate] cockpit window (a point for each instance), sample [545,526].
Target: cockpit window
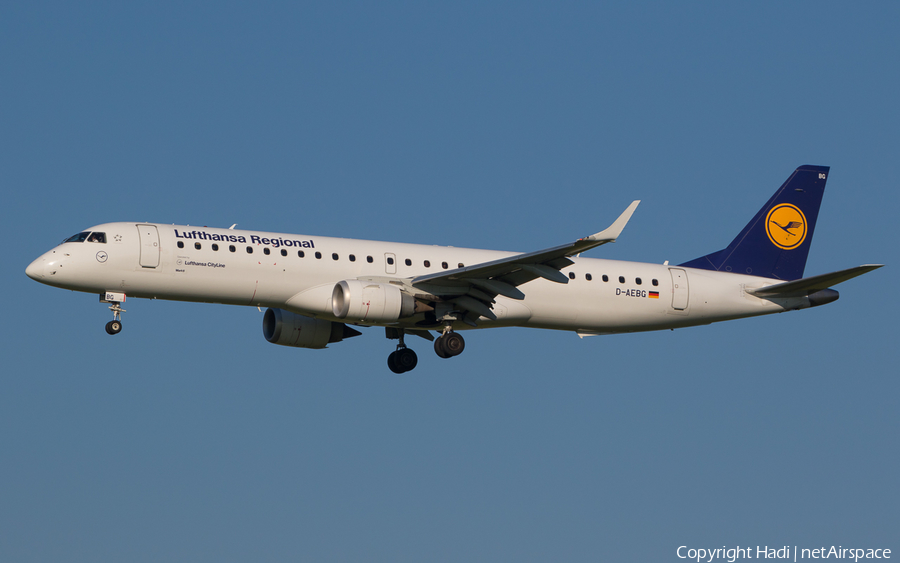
[87,236]
[80,237]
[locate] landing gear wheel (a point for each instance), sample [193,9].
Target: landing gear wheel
[454,344]
[406,359]
[402,361]
[449,345]
[439,348]
[392,363]
[114,326]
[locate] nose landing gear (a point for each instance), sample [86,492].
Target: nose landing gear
[115,299]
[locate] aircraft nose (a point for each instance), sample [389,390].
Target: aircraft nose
[35,270]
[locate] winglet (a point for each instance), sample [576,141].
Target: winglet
[612,232]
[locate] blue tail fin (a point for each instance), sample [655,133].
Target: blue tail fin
[775,243]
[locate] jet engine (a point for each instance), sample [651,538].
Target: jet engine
[290,329]
[360,301]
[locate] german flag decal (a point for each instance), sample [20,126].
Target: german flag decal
[653,295]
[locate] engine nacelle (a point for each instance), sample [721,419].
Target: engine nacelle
[359,301]
[290,329]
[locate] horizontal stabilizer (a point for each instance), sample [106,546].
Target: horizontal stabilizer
[808,286]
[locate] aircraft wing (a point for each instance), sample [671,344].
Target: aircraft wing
[808,286]
[474,287]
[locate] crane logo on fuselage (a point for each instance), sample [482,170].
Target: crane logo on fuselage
[786,226]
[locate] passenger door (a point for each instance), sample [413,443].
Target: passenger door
[680,290]
[149,245]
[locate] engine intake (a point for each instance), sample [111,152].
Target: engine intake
[290,329]
[359,301]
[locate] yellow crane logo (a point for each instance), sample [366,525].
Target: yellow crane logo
[786,226]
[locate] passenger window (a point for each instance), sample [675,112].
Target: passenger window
[588,277]
[637,281]
[215,247]
[461,265]
[197,245]
[231,248]
[181,244]
[249,250]
[334,256]
[80,237]
[605,278]
[369,259]
[283,252]
[318,255]
[654,282]
[390,261]
[301,254]
[352,258]
[266,251]
[97,237]
[444,265]
[621,279]
[427,264]
[408,262]
[571,275]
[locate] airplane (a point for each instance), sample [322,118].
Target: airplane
[316,289]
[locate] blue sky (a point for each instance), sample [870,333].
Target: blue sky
[514,126]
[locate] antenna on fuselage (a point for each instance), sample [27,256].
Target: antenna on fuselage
[231,228]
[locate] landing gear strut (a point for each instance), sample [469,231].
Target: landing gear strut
[449,344]
[115,301]
[403,359]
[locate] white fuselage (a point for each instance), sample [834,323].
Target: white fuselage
[298,273]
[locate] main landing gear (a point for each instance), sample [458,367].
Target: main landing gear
[449,344]
[403,359]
